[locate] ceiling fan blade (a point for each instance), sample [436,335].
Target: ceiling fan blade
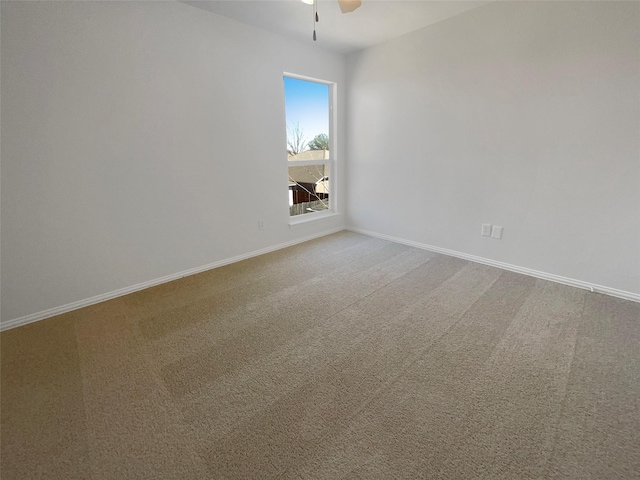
[349,5]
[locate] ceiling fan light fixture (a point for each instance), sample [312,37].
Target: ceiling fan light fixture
[347,6]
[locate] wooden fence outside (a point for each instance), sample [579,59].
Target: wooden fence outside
[308,207]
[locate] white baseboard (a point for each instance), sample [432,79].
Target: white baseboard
[506,266]
[16,322]
[6,325]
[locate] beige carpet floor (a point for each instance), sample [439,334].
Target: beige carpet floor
[345,357]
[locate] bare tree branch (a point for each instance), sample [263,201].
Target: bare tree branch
[296,141]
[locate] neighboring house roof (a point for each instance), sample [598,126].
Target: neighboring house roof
[308,173]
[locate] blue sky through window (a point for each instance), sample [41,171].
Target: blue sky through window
[307,103]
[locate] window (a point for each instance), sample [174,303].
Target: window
[310,145]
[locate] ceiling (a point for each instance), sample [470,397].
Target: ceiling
[376,21]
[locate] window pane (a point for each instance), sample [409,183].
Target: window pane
[308,188]
[307,116]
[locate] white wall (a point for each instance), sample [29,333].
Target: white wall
[139,140]
[519,114]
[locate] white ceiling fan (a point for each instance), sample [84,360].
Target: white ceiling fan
[346,6]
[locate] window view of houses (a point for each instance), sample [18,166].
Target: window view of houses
[308,184]
[307,115]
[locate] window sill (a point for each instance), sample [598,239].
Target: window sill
[310,218]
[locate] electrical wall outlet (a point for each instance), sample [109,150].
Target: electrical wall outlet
[260,224]
[496,232]
[486,230]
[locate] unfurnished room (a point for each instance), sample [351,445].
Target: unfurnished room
[320,239]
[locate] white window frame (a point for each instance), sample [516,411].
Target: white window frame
[331,161]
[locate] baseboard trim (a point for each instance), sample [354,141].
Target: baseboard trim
[35,317]
[634,297]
